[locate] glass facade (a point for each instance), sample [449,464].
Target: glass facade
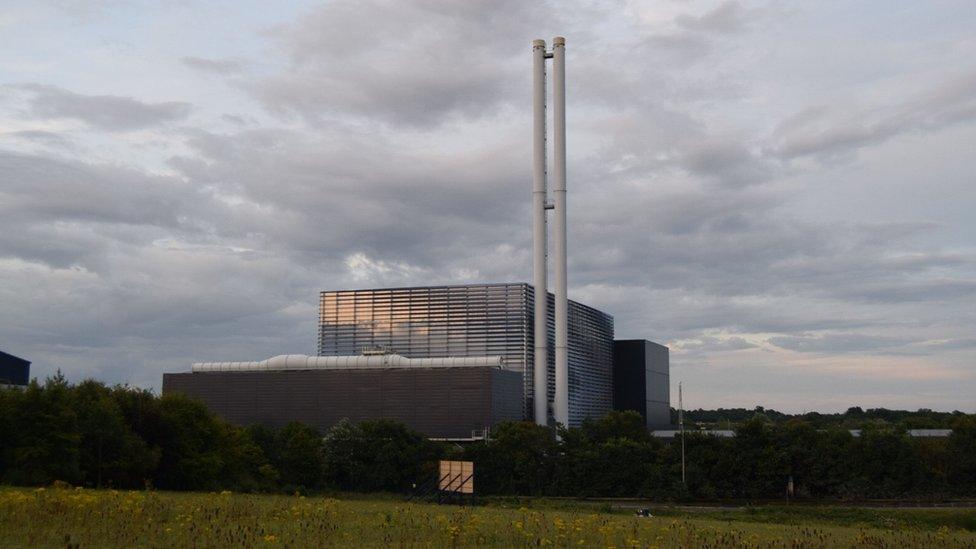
[473,320]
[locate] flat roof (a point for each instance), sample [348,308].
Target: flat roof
[8,356]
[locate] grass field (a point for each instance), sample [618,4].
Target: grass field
[85,518]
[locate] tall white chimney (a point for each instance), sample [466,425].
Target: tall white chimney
[539,240]
[540,389]
[561,405]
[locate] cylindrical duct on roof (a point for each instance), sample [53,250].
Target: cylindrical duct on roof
[303,362]
[540,362]
[561,403]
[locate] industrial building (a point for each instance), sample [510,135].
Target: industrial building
[475,320]
[14,371]
[441,402]
[449,361]
[452,360]
[641,373]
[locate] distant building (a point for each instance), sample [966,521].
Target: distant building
[642,380]
[14,370]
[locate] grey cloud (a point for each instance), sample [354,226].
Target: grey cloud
[729,261]
[726,17]
[234,119]
[115,279]
[825,131]
[838,343]
[416,64]
[682,47]
[695,36]
[727,160]
[649,138]
[53,245]
[962,343]
[39,187]
[212,66]
[199,302]
[411,207]
[931,290]
[713,344]
[106,112]
[42,137]
[83,9]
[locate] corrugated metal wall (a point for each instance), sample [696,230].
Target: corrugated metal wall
[439,402]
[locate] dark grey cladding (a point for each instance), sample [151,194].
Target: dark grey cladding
[642,380]
[438,402]
[14,370]
[474,320]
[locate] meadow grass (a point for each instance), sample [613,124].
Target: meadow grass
[825,514]
[106,518]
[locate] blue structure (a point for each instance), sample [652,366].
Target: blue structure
[14,370]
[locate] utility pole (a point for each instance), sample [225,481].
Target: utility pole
[681,427]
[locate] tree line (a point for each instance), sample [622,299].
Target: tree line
[853,418]
[90,434]
[616,457]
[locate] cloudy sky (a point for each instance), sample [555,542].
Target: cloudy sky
[781,192]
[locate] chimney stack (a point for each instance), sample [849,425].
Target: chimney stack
[539,206]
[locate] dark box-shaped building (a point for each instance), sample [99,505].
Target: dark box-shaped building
[642,380]
[438,402]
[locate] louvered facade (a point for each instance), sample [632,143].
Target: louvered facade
[473,320]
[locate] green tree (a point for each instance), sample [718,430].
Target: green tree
[709,463]
[45,439]
[300,458]
[616,467]
[760,467]
[377,455]
[886,465]
[616,425]
[202,452]
[109,451]
[519,458]
[610,456]
[962,456]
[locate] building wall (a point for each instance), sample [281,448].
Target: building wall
[14,370]
[630,376]
[438,402]
[658,385]
[590,340]
[473,320]
[443,321]
[642,380]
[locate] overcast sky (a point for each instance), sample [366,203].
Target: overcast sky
[781,192]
